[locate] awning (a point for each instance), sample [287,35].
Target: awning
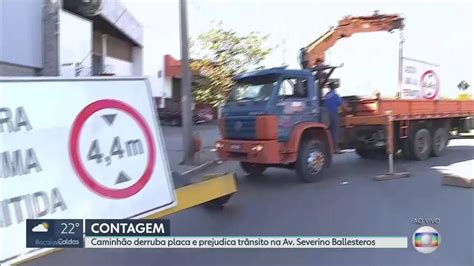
[173,70]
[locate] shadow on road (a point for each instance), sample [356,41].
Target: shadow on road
[350,167]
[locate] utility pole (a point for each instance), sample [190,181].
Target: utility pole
[186,96]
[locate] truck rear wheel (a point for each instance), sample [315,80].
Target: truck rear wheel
[440,141]
[311,161]
[253,168]
[420,144]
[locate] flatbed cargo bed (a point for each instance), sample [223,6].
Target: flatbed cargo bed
[371,125]
[409,109]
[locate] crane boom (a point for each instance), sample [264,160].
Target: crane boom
[312,55]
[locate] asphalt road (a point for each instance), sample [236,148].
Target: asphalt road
[277,203]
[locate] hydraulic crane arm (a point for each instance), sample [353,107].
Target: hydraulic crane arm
[312,55]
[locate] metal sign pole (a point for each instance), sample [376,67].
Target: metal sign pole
[400,63]
[390,148]
[186,96]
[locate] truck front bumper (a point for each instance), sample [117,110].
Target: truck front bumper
[254,151]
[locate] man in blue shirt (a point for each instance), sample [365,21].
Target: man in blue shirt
[332,101]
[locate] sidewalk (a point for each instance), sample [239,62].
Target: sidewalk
[174,148]
[458,174]
[205,158]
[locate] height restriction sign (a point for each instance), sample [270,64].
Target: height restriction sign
[77,148]
[133,146]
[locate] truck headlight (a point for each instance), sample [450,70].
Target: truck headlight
[219,145]
[257,148]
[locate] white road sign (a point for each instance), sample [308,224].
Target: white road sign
[420,80]
[84,148]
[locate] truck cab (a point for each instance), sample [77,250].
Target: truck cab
[273,118]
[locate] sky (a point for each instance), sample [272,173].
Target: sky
[439,32]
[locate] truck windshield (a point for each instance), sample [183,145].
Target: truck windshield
[253,89]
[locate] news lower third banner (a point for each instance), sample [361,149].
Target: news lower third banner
[245,242]
[156,233]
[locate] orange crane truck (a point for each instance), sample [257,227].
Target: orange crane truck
[276,117]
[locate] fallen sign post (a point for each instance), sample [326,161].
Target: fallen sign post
[84,148]
[216,188]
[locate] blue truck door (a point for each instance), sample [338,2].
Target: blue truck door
[296,103]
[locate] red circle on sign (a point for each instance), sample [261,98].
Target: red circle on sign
[79,167]
[423,88]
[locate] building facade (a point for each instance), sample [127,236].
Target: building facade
[69,38]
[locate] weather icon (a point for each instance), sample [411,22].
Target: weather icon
[41,228]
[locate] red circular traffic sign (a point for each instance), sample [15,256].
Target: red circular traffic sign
[76,160]
[429,73]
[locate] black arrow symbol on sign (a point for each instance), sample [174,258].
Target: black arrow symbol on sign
[109,119]
[122,177]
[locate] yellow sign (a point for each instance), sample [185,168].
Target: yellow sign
[464,96]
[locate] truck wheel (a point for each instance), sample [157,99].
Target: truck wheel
[420,144]
[253,168]
[440,141]
[311,161]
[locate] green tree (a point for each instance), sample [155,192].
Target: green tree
[220,55]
